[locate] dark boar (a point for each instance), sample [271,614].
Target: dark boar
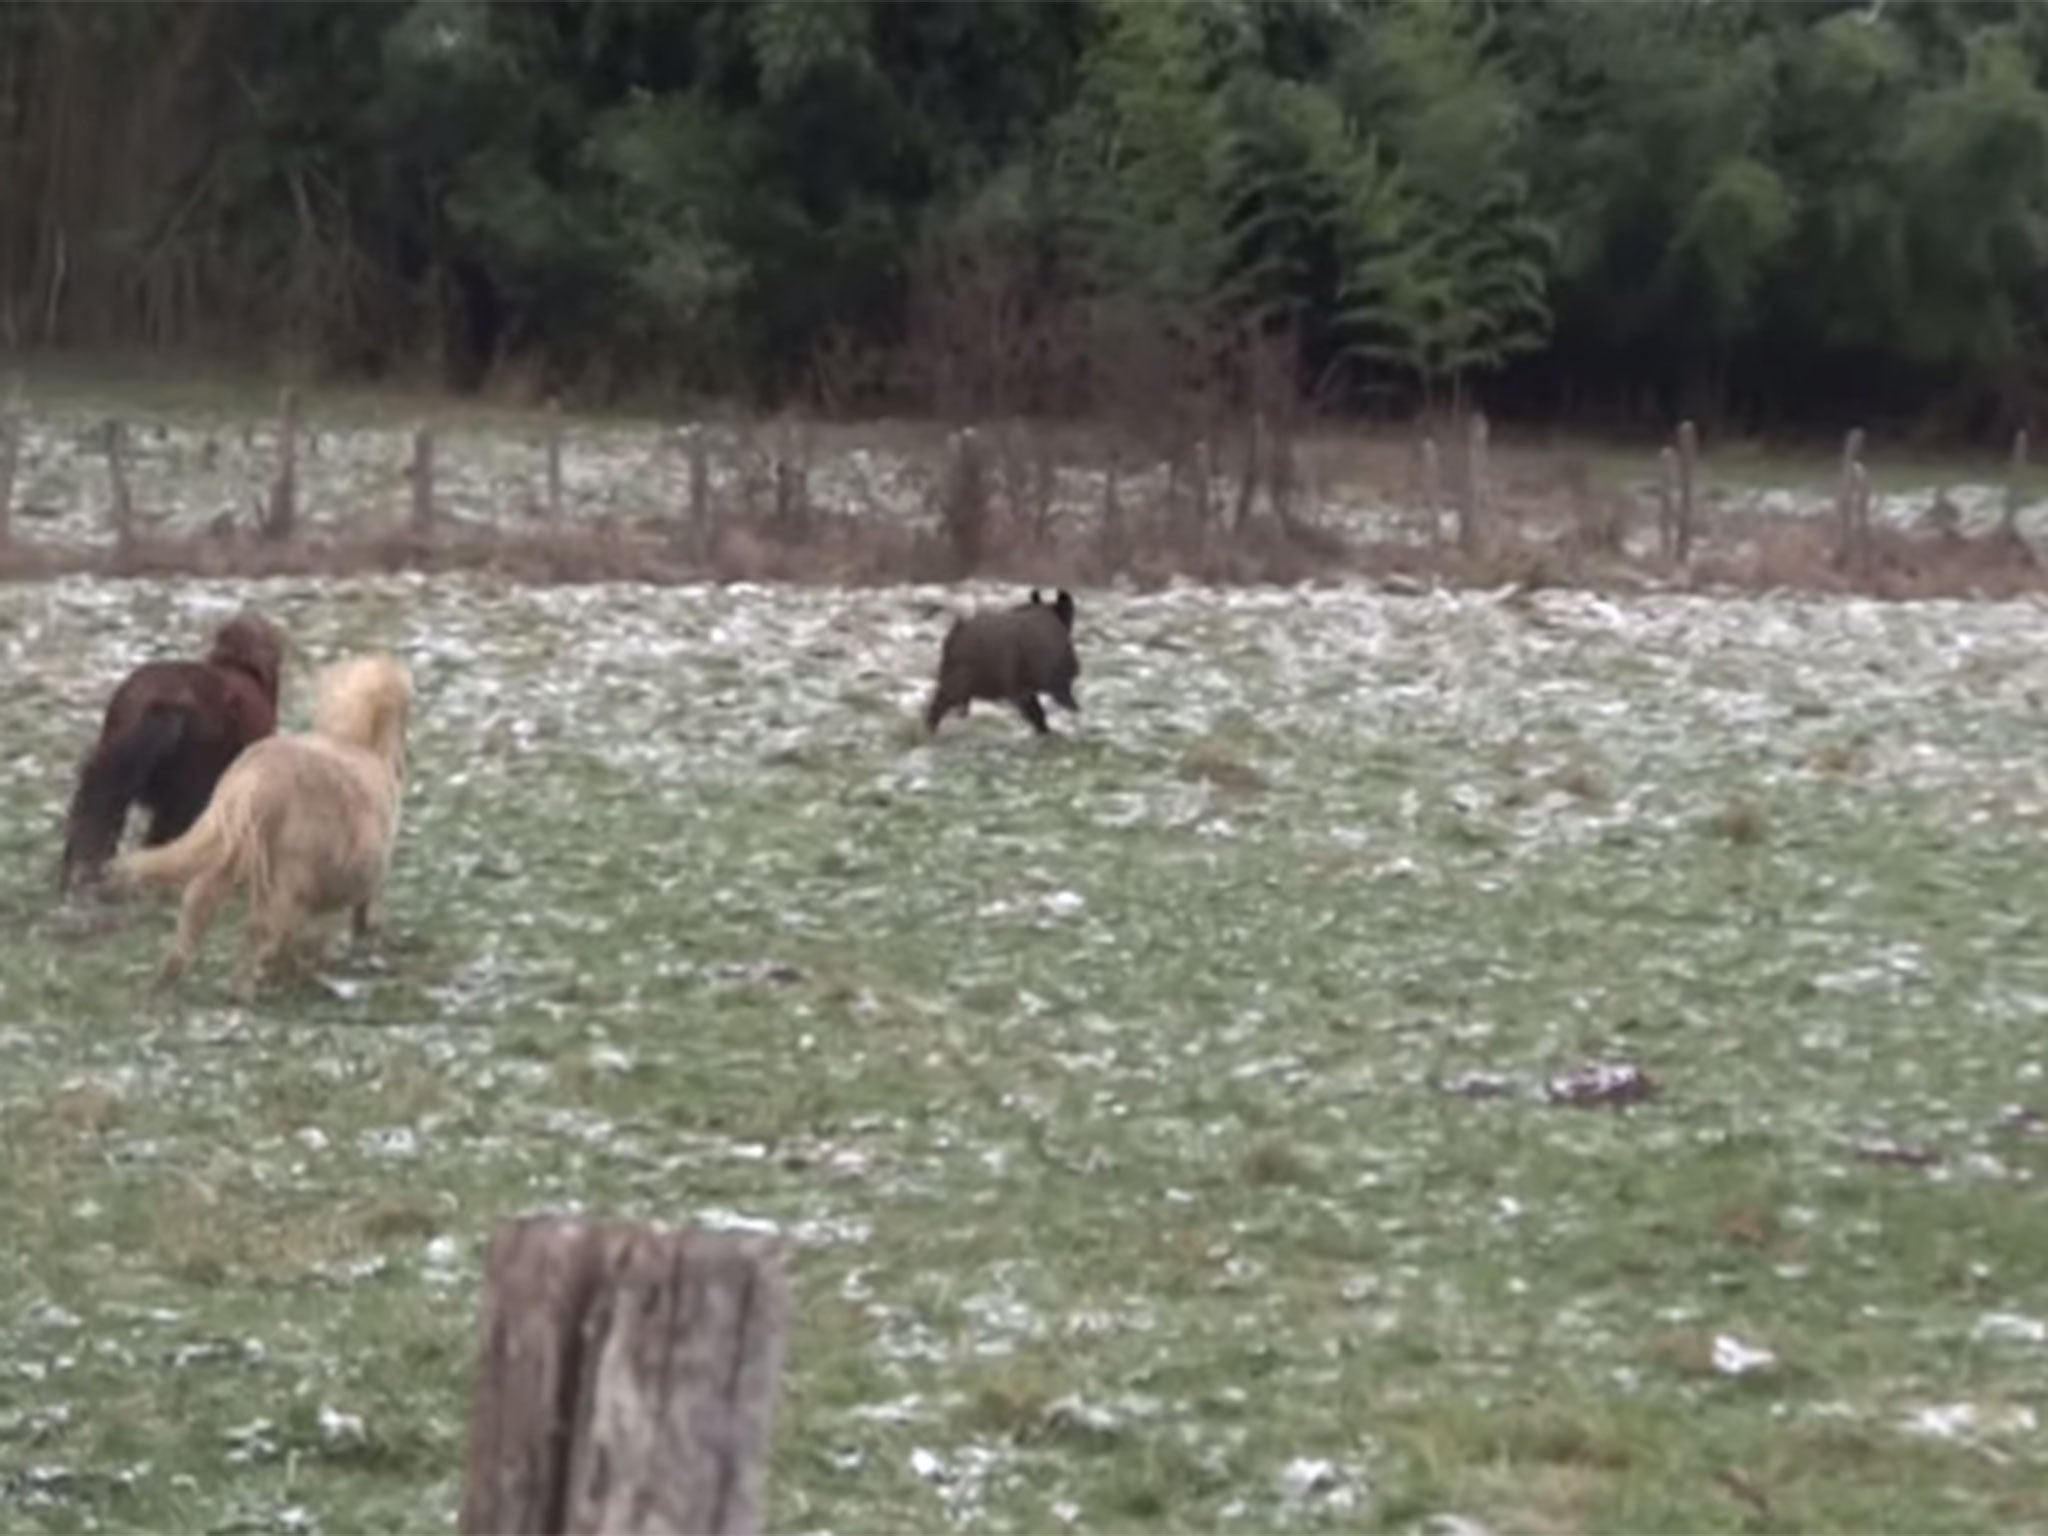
[1011,656]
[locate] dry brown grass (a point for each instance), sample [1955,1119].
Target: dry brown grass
[1742,822]
[1211,761]
[84,1112]
[1800,556]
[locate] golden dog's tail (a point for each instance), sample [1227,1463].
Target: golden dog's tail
[219,840]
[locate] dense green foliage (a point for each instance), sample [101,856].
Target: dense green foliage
[1781,211]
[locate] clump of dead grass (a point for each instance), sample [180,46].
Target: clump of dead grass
[1801,555]
[1742,822]
[1583,782]
[1212,762]
[1272,1162]
[84,1112]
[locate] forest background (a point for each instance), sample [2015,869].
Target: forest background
[1764,216]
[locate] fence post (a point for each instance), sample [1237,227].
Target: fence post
[1112,530]
[1254,466]
[554,453]
[1432,488]
[1859,487]
[791,480]
[1473,512]
[10,461]
[626,1380]
[421,474]
[2009,525]
[698,445]
[964,507]
[284,490]
[1849,508]
[123,506]
[1667,502]
[1688,475]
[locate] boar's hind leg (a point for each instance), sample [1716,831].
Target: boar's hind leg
[1029,707]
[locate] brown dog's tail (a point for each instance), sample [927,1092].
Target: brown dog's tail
[111,780]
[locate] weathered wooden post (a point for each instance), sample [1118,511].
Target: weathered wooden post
[282,514]
[698,445]
[10,461]
[791,481]
[554,456]
[1472,513]
[1849,501]
[122,511]
[1254,464]
[1045,481]
[1688,476]
[965,506]
[1112,530]
[1433,488]
[2009,525]
[1667,502]
[626,1380]
[1283,475]
[1859,497]
[421,474]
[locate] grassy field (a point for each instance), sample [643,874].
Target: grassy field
[1161,1115]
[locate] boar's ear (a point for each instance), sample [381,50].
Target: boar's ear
[1064,607]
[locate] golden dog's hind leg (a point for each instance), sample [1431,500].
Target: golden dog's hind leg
[203,897]
[366,918]
[270,929]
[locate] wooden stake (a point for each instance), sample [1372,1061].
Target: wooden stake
[1112,531]
[626,1380]
[2013,493]
[792,480]
[1846,499]
[1859,486]
[122,512]
[421,474]
[1667,502]
[1470,521]
[1688,472]
[10,461]
[699,447]
[965,507]
[1433,488]
[1282,476]
[1254,460]
[554,450]
[1044,483]
[284,490]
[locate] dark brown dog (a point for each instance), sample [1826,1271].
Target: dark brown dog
[170,731]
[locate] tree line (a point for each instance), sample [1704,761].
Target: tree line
[1746,211]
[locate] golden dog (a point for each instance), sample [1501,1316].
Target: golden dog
[308,821]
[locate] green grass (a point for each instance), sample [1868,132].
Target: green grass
[1100,1081]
